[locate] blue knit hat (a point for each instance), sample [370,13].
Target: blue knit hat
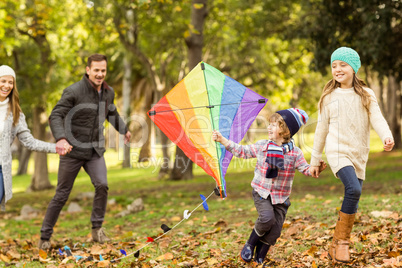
[294,119]
[347,55]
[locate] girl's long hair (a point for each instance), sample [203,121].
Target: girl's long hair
[357,84]
[15,103]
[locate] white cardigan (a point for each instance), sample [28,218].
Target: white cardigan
[24,135]
[344,129]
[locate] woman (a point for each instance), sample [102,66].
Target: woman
[13,124]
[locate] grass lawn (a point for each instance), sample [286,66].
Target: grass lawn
[213,238]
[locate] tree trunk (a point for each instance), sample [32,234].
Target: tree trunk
[393,113]
[182,170]
[145,152]
[40,178]
[126,105]
[23,159]
[165,153]
[382,103]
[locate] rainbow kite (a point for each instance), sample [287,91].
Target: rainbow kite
[207,100]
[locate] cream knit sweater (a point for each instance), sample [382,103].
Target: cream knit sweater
[344,129]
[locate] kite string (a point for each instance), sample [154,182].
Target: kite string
[165,232]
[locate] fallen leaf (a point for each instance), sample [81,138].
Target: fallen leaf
[164,243]
[221,223]
[314,265]
[212,262]
[4,258]
[383,213]
[104,263]
[164,257]
[175,219]
[392,261]
[42,254]
[14,255]
[96,250]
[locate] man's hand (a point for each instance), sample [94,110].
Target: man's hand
[63,147]
[127,137]
[388,144]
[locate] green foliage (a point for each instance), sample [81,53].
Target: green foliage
[247,40]
[373,28]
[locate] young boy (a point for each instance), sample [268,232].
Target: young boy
[277,160]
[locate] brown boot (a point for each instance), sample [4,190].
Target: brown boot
[339,249]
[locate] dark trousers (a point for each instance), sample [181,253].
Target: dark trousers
[353,189]
[68,171]
[270,218]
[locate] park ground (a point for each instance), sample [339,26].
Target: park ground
[211,238]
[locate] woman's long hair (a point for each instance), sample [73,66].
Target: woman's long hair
[357,84]
[14,100]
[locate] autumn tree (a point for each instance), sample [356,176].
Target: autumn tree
[183,168]
[374,30]
[151,32]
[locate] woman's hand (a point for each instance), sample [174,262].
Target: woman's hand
[63,147]
[388,144]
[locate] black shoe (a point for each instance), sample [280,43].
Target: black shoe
[248,250]
[261,251]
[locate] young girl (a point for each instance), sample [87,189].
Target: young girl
[277,160]
[347,107]
[12,124]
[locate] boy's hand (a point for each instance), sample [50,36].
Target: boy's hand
[316,171]
[217,136]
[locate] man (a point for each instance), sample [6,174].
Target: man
[77,121]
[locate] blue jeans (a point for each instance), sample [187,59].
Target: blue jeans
[1,185]
[353,189]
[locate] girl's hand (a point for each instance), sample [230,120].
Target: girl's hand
[388,144]
[322,166]
[315,171]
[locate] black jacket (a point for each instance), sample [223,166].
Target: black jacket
[79,115]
